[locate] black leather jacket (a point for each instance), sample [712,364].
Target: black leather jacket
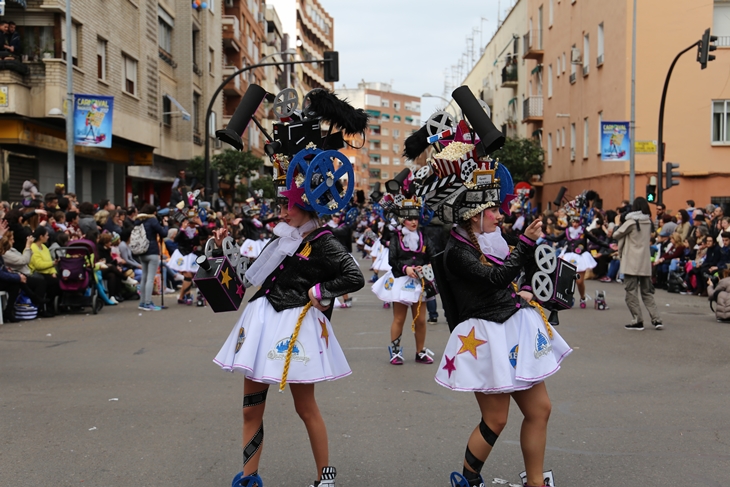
[328,264]
[343,233]
[485,291]
[400,257]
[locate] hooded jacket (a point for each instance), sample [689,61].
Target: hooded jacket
[721,296]
[634,242]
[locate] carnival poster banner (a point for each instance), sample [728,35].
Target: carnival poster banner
[93,120]
[615,141]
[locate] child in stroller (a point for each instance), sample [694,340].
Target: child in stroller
[76,277]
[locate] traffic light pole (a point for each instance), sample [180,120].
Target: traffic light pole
[660,145]
[208,189]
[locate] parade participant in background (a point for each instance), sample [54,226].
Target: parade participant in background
[575,240]
[403,285]
[190,240]
[284,334]
[343,233]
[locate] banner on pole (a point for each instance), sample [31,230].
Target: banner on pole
[93,120]
[615,141]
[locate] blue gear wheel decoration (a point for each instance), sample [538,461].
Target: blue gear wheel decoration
[426,215]
[379,210]
[300,162]
[248,481]
[323,167]
[351,216]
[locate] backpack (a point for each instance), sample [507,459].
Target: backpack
[138,242]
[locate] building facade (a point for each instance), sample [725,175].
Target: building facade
[143,58]
[393,117]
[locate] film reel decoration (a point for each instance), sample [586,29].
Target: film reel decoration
[286,103]
[546,259]
[232,252]
[423,172]
[321,181]
[300,163]
[542,286]
[351,216]
[438,122]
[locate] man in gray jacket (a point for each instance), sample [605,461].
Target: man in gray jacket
[634,240]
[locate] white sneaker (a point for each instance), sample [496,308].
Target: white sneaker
[169,291]
[113,301]
[130,282]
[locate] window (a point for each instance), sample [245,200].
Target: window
[166,111]
[384,146]
[550,81]
[385,161]
[211,56]
[573,68]
[385,175]
[585,138]
[586,54]
[196,37]
[550,12]
[396,133]
[599,54]
[563,141]
[196,113]
[572,141]
[550,144]
[396,105]
[563,65]
[600,120]
[130,75]
[396,118]
[385,103]
[74,43]
[396,161]
[101,59]
[396,148]
[539,28]
[720,119]
[165,24]
[557,67]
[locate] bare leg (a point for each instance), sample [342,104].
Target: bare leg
[187,283]
[582,284]
[420,325]
[253,418]
[400,311]
[307,409]
[535,406]
[494,409]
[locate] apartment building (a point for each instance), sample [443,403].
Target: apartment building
[159,60]
[500,77]
[393,117]
[578,54]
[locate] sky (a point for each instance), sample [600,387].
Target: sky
[408,43]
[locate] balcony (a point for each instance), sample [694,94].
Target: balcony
[509,76]
[487,96]
[233,87]
[231,33]
[572,78]
[532,109]
[532,42]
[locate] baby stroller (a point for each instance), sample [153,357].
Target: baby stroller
[76,277]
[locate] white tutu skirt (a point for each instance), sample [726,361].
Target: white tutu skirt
[582,261]
[403,289]
[489,357]
[258,344]
[183,263]
[381,261]
[252,248]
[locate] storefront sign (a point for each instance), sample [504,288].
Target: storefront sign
[645,146]
[93,120]
[3,96]
[615,141]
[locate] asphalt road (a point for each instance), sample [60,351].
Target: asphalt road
[131,398]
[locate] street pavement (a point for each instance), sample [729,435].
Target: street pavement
[132,398]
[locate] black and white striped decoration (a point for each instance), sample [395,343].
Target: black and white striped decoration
[435,199]
[437,185]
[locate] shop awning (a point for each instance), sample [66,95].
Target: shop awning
[375,141]
[373,113]
[536,69]
[386,116]
[396,118]
[409,119]
[185,114]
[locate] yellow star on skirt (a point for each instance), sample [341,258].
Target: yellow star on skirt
[325,333]
[469,343]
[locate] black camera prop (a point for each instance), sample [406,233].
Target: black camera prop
[429,280]
[222,279]
[553,284]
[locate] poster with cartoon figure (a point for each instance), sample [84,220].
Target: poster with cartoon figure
[93,120]
[615,141]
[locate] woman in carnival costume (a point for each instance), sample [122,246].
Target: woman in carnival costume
[404,284]
[284,334]
[190,240]
[500,347]
[575,240]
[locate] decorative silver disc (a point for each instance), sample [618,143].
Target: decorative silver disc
[438,122]
[423,172]
[546,259]
[542,286]
[286,103]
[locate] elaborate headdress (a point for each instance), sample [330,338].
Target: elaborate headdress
[465,180]
[309,170]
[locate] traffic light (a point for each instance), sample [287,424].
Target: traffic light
[332,66]
[651,193]
[706,46]
[669,173]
